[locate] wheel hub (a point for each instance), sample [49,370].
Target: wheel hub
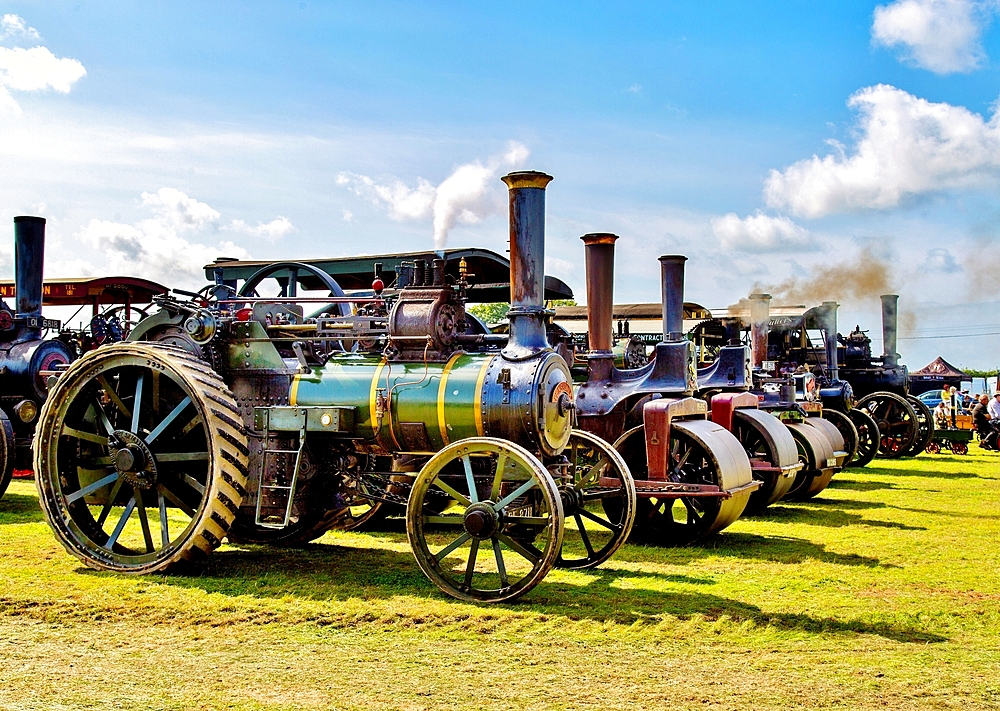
[572,499]
[481,521]
[133,460]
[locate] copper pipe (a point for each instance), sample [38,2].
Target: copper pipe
[600,259]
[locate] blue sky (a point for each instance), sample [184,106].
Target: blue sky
[156,136]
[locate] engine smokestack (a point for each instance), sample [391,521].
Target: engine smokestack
[29,258]
[890,306]
[830,337]
[672,285]
[600,258]
[760,313]
[527,263]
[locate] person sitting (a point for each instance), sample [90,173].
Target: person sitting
[984,425]
[941,416]
[994,406]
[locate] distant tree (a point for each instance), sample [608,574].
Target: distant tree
[497,312]
[490,313]
[973,373]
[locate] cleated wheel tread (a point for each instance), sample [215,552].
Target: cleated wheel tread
[210,493]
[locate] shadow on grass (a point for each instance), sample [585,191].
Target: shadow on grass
[859,485]
[329,572]
[930,474]
[830,514]
[17,508]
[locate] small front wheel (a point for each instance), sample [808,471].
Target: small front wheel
[598,494]
[503,530]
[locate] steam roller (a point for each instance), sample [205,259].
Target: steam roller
[815,442]
[231,411]
[693,477]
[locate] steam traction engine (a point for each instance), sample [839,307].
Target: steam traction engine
[250,413]
[26,360]
[693,477]
[842,369]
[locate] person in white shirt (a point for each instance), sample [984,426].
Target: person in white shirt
[994,407]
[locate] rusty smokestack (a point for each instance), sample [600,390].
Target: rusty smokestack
[760,313]
[830,338]
[29,259]
[527,263]
[600,259]
[890,305]
[672,291]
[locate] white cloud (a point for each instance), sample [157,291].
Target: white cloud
[34,69]
[760,233]
[634,89]
[271,231]
[348,215]
[171,247]
[939,35]
[940,259]
[466,196]
[177,211]
[907,146]
[14,26]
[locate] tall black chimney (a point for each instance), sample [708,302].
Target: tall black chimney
[29,258]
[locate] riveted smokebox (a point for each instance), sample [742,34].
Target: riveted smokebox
[29,257]
[890,310]
[600,249]
[527,264]
[760,313]
[672,291]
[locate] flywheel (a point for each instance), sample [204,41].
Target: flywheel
[140,458]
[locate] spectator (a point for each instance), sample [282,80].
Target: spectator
[966,400]
[954,401]
[981,419]
[994,406]
[941,416]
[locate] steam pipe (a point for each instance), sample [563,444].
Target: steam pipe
[600,259]
[830,338]
[890,305]
[29,258]
[672,284]
[527,313]
[760,313]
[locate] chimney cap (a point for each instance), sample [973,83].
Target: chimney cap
[526,179]
[673,258]
[599,238]
[29,218]
[759,296]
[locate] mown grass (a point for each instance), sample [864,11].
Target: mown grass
[882,593]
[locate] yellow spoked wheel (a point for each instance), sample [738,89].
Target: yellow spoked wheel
[503,530]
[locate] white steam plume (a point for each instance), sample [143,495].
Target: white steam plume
[470,194]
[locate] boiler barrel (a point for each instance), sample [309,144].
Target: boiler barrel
[433,405]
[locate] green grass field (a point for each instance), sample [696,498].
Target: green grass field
[882,593]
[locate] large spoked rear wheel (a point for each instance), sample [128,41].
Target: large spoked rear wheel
[140,458]
[925,426]
[896,420]
[6,452]
[598,496]
[868,437]
[701,452]
[503,530]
